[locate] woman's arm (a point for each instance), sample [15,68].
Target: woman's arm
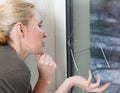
[46,69]
[41,86]
[82,83]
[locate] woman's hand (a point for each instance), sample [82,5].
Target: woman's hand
[46,67]
[87,85]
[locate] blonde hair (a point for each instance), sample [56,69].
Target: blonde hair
[11,12]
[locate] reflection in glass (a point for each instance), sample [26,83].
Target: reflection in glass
[105,42]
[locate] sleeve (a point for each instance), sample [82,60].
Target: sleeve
[15,82]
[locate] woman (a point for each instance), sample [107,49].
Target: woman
[20,36]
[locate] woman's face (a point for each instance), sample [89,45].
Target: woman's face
[35,35]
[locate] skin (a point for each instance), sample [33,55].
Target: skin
[29,39]
[83,83]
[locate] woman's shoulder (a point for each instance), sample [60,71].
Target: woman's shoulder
[9,61]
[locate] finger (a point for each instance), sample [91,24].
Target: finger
[105,87]
[38,57]
[95,85]
[89,78]
[51,60]
[98,79]
[100,89]
[46,57]
[41,58]
[54,64]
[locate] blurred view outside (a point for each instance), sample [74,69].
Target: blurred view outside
[105,42]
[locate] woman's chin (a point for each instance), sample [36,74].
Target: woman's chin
[39,52]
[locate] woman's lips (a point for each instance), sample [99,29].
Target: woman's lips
[43,43]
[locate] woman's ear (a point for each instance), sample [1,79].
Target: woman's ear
[20,29]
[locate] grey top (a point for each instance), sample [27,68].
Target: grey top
[14,73]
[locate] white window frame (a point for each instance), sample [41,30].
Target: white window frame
[60,41]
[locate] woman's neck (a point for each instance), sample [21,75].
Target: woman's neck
[21,52]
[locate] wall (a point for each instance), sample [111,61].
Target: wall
[60,43]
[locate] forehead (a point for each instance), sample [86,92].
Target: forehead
[35,16]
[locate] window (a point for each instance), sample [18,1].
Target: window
[78,53]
